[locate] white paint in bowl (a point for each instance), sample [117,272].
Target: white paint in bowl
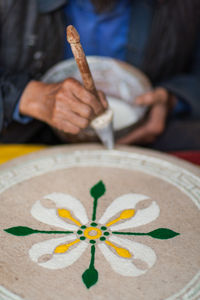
[124,114]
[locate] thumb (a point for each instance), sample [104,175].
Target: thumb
[146,99]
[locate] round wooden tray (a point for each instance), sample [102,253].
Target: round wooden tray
[82,222]
[115,78]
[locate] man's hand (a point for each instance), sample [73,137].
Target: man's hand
[160,103]
[67,105]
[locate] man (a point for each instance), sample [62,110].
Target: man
[36,31]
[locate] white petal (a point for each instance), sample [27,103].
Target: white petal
[142,217]
[49,215]
[125,266]
[128,201]
[71,203]
[48,246]
[58,261]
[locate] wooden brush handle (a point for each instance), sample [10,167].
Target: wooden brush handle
[74,40]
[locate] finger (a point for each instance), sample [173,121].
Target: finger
[74,119]
[148,132]
[85,96]
[103,99]
[157,119]
[65,126]
[76,106]
[145,99]
[135,136]
[159,95]
[89,99]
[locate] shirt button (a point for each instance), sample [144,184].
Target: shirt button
[31,41]
[38,55]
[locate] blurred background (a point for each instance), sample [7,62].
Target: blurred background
[144,55]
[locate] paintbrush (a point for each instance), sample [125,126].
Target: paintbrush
[102,124]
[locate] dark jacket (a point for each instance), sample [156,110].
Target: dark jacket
[32,40]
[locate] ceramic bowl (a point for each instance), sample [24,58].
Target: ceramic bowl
[118,80]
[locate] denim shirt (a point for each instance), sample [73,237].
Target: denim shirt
[104,34]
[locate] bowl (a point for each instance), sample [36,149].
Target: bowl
[121,83]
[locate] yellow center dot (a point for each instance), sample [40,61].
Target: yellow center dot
[92,233]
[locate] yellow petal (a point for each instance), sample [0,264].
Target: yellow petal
[123,252]
[61,249]
[64,213]
[127,214]
[64,248]
[120,251]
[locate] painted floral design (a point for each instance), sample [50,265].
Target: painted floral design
[79,233]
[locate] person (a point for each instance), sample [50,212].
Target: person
[160,37]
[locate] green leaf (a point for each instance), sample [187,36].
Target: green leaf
[163,233]
[98,190]
[90,277]
[20,230]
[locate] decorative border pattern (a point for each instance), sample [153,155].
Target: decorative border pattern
[184,180]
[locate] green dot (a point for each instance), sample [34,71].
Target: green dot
[92,242]
[83,226]
[103,228]
[82,238]
[106,233]
[94,224]
[79,232]
[102,238]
